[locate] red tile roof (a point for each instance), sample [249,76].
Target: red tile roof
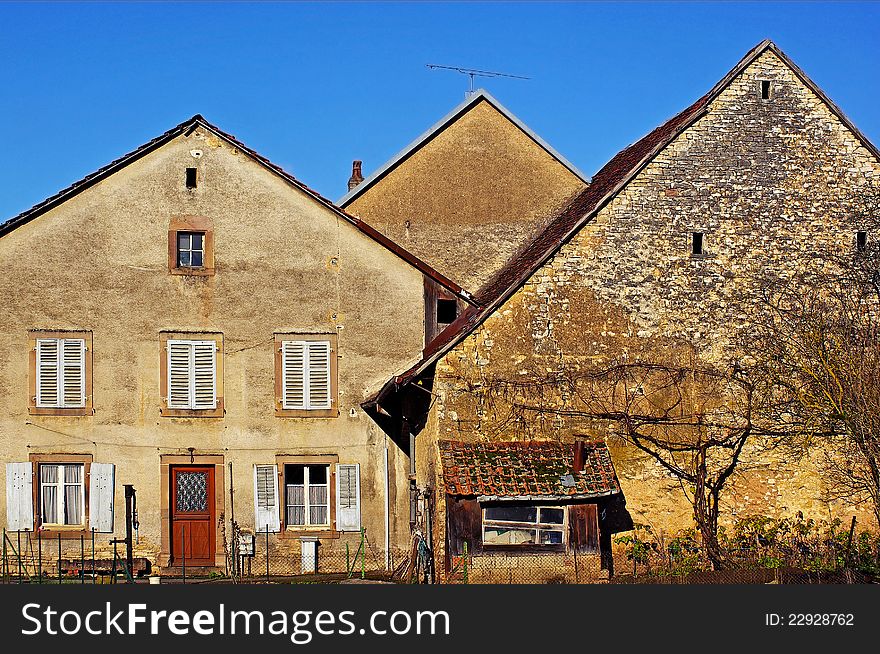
[530,469]
[187,127]
[605,185]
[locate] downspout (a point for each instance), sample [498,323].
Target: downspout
[387,512]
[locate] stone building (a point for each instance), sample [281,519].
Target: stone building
[761,172]
[195,322]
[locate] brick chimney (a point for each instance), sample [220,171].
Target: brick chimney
[580,457]
[356,175]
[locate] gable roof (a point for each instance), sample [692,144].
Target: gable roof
[186,128]
[529,470]
[474,99]
[605,185]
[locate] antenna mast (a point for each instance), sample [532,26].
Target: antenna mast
[472,72]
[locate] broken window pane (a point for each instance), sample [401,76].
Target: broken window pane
[552,516]
[507,536]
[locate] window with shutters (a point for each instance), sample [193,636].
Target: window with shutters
[192,374]
[61,492]
[306,375]
[307,495]
[191,246]
[60,373]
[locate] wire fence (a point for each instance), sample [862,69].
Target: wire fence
[35,558]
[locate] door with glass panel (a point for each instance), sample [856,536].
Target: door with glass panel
[192,515]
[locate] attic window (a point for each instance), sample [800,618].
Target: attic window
[861,241]
[446,311]
[697,243]
[765,89]
[191,177]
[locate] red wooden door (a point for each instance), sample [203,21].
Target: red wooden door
[192,515]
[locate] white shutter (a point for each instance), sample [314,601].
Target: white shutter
[101,491]
[348,497]
[293,370]
[178,374]
[266,499]
[319,374]
[204,392]
[73,372]
[19,497]
[48,383]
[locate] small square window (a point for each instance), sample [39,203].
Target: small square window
[190,249]
[697,243]
[446,311]
[191,246]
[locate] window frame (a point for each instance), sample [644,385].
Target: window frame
[87,408]
[536,527]
[280,410]
[166,411]
[52,529]
[195,224]
[295,531]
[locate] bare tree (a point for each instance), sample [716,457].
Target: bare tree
[692,419]
[818,340]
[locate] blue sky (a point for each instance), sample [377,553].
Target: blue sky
[313,86]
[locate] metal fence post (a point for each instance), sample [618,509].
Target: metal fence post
[363,555]
[267,552]
[18,554]
[4,556]
[59,557]
[82,559]
[40,555]
[94,574]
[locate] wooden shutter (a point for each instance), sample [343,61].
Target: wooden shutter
[48,383]
[464,524]
[583,527]
[319,374]
[266,512]
[204,387]
[293,370]
[348,497]
[178,374]
[19,497]
[102,477]
[73,372]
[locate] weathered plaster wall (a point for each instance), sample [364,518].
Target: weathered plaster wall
[769,182]
[469,198]
[283,264]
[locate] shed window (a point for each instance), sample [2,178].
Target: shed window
[765,89]
[861,241]
[697,243]
[523,524]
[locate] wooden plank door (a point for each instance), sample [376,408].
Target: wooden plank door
[192,515]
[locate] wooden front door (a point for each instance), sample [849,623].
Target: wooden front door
[192,515]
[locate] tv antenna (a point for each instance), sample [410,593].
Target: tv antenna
[473,72]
